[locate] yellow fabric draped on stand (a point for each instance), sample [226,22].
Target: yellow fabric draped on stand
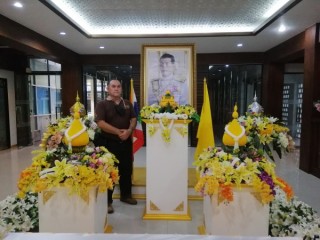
[205,130]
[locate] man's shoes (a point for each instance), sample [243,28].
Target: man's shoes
[110,209]
[130,201]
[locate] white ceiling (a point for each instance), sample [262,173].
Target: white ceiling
[167,14]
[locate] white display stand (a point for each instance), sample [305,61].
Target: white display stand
[167,174]
[244,216]
[60,212]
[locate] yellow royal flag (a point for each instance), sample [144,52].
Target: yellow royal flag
[205,130]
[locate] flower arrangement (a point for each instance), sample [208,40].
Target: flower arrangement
[287,218]
[182,112]
[19,215]
[243,161]
[56,164]
[292,218]
[266,133]
[166,112]
[221,171]
[317,105]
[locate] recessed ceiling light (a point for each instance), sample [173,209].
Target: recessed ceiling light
[18,4]
[282,28]
[101,47]
[240,45]
[62,33]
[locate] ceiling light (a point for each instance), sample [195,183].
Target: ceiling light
[275,7]
[62,33]
[239,45]
[101,47]
[104,22]
[18,4]
[282,28]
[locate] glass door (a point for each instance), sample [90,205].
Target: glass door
[229,85]
[96,79]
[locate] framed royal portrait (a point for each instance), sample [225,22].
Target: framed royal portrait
[168,68]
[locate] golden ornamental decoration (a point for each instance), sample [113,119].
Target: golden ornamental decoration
[76,135]
[183,131]
[180,207]
[168,100]
[234,134]
[154,207]
[47,195]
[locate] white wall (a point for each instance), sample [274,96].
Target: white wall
[12,104]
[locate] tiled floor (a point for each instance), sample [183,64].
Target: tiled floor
[128,219]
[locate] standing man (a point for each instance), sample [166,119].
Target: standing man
[168,82]
[116,118]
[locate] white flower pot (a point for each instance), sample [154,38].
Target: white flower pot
[60,212]
[244,216]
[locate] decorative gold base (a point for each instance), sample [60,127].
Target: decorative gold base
[185,217]
[108,229]
[202,230]
[78,149]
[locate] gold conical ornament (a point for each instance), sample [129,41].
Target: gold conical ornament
[234,133]
[78,107]
[76,136]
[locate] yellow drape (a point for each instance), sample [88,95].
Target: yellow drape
[205,130]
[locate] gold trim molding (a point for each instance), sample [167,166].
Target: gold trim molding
[159,216]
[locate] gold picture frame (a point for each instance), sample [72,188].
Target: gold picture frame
[168,67]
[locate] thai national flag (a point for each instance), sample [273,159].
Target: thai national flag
[138,138]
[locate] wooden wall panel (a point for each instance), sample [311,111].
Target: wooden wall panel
[309,159]
[272,86]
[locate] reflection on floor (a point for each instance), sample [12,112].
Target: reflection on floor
[128,219]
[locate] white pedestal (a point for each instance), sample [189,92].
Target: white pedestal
[244,216]
[60,212]
[167,175]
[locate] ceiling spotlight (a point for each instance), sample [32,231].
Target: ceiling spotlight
[62,33]
[18,4]
[282,28]
[101,47]
[239,45]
